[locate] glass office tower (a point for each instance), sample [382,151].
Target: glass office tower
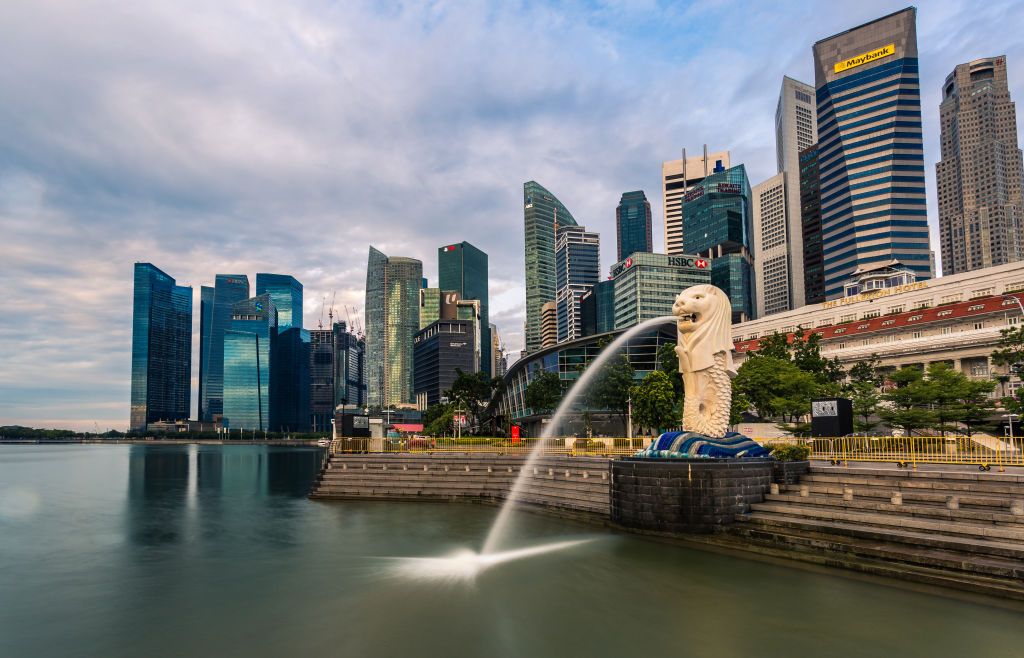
[577,262]
[248,347]
[810,223]
[542,213]
[462,268]
[214,320]
[393,285]
[870,153]
[633,224]
[290,388]
[161,384]
[718,224]
[286,292]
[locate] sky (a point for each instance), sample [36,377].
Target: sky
[245,136]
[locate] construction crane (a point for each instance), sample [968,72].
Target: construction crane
[330,314]
[320,325]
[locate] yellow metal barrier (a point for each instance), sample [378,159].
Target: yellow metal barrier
[982,451]
[607,447]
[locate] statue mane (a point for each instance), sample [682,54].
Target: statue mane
[712,334]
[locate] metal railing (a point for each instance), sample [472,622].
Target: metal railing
[982,451]
[608,447]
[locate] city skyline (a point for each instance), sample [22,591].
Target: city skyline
[230,185]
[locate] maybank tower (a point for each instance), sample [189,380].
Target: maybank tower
[870,154]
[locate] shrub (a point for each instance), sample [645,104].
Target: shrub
[791,452]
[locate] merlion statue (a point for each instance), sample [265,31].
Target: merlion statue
[704,347]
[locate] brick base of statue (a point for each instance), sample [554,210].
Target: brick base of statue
[691,445]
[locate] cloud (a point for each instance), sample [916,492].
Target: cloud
[262,136]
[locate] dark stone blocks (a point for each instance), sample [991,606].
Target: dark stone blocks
[686,495]
[789,472]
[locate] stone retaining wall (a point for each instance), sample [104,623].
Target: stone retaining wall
[574,486]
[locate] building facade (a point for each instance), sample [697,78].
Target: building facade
[676,180]
[645,286]
[350,367]
[439,352]
[718,226]
[597,308]
[215,308]
[161,384]
[321,379]
[392,319]
[577,268]
[956,319]
[548,325]
[290,391]
[870,152]
[979,175]
[286,292]
[463,268]
[633,229]
[248,354]
[430,306]
[542,214]
[810,220]
[772,273]
[796,129]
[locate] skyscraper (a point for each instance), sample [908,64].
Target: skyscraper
[290,389]
[718,225]
[548,325]
[810,219]
[597,307]
[392,319]
[350,367]
[462,268]
[542,213]
[870,154]
[979,176]
[772,273]
[248,346]
[215,319]
[321,378]
[286,292]
[430,306]
[796,128]
[440,350]
[578,267]
[633,230]
[644,286]
[161,385]
[675,182]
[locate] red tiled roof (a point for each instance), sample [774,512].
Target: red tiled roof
[928,316]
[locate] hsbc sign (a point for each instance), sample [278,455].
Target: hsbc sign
[688,261]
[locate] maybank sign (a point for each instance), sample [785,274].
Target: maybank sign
[864,58]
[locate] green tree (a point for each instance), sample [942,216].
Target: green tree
[471,392]
[807,356]
[739,406]
[1010,353]
[610,389]
[775,345]
[544,393]
[864,397]
[668,363]
[869,370]
[909,402]
[654,404]
[437,420]
[775,387]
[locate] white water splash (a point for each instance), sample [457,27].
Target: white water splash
[465,564]
[497,533]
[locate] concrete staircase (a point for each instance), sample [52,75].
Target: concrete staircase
[574,486]
[950,528]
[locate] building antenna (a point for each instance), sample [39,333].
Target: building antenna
[705,161]
[330,314]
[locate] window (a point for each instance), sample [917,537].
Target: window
[922,305]
[737,339]
[979,325]
[914,318]
[886,323]
[848,318]
[983,292]
[866,341]
[871,314]
[824,323]
[863,326]
[976,307]
[752,337]
[947,330]
[945,313]
[840,330]
[950,299]
[842,346]
[1012,320]
[896,309]
[918,334]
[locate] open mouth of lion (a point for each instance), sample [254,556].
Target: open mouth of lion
[688,317]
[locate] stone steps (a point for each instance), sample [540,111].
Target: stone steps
[883,506]
[981,502]
[892,534]
[942,527]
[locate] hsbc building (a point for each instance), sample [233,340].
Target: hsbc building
[646,285]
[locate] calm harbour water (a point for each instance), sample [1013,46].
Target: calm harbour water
[114,551]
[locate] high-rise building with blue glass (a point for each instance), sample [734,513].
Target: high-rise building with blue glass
[286,292]
[542,214]
[215,308]
[597,308]
[870,152]
[633,230]
[161,383]
[248,354]
[290,380]
[577,268]
[718,225]
[462,268]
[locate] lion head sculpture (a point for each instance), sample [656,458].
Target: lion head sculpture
[704,324]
